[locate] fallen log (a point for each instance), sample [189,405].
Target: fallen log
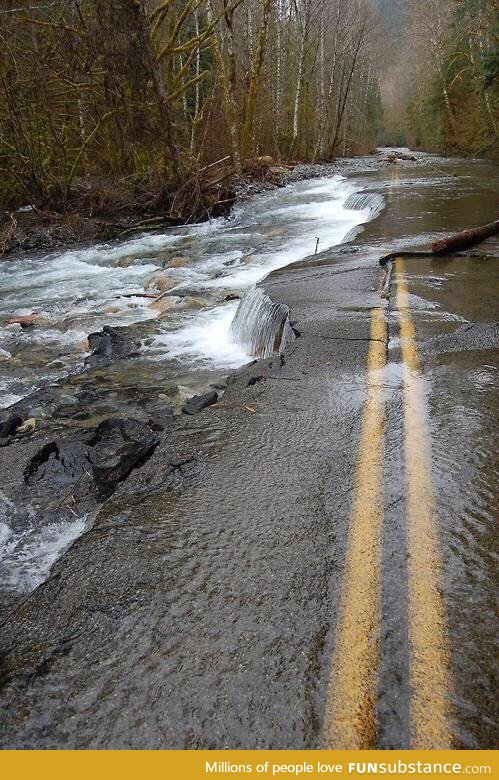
[465,239]
[450,245]
[154,223]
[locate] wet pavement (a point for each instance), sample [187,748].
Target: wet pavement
[209,605]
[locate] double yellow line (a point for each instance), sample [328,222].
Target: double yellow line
[350,721]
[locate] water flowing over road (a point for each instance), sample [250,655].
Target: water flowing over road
[189,339]
[309,561]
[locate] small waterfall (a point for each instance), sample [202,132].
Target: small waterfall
[366,200]
[260,325]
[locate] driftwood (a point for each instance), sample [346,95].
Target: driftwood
[154,223]
[393,157]
[451,245]
[465,239]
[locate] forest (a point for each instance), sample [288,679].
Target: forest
[111,104]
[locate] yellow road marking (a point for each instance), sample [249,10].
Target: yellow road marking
[394,180]
[429,660]
[350,716]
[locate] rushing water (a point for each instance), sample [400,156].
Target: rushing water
[212,319]
[261,325]
[28,549]
[208,267]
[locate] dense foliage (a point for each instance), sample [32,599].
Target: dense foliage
[145,93]
[110,101]
[446,77]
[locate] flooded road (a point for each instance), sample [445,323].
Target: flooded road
[187,341]
[309,562]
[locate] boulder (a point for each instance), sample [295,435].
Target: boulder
[199,402]
[160,282]
[164,303]
[109,344]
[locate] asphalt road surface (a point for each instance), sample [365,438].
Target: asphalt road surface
[317,567]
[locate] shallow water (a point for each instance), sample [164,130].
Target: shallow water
[201,613]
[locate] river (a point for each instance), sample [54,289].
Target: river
[76,292]
[184,347]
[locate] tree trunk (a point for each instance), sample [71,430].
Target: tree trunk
[299,86]
[256,70]
[230,110]
[279,80]
[465,239]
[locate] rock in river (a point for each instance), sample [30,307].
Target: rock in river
[160,282]
[199,402]
[109,344]
[178,262]
[164,303]
[27,320]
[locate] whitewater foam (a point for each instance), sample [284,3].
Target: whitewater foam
[27,555]
[206,339]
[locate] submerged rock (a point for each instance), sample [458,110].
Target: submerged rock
[165,303]
[199,402]
[41,403]
[191,302]
[160,282]
[109,344]
[177,262]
